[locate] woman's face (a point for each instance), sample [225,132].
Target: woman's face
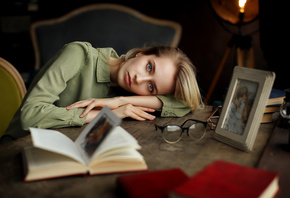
[148,75]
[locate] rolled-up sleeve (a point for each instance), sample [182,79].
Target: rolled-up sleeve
[173,107]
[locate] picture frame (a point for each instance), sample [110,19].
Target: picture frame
[244,107]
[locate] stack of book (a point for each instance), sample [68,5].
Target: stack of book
[273,105]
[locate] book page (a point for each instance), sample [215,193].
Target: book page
[117,139]
[55,141]
[96,132]
[43,164]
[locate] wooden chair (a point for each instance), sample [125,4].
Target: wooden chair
[12,92]
[103,25]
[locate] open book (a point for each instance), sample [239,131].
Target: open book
[103,147]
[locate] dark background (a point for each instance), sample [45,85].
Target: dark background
[203,39]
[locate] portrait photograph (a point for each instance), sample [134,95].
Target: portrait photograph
[241,106]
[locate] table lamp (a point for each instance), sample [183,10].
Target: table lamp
[232,15]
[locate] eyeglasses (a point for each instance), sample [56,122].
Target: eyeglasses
[172,133]
[213,118]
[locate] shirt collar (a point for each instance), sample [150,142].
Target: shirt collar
[103,68]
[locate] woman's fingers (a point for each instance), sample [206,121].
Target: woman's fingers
[112,103]
[141,112]
[135,112]
[80,104]
[88,109]
[89,104]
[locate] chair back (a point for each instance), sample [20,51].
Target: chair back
[103,25]
[12,92]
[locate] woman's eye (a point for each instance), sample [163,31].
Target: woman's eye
[149,67]
[151,88]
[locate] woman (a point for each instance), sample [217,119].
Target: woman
[79,80]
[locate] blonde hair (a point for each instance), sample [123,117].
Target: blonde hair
[186,87]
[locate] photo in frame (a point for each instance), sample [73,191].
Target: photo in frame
[95,132]
[244,107]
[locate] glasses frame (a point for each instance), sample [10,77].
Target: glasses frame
[182,129]
[211,123]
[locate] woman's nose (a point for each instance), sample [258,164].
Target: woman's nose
[139,79]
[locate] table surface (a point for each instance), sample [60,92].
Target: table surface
[187,155]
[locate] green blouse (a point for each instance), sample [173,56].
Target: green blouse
[77,72]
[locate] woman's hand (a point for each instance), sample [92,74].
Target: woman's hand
[92,103]
[128,110]
[135,112]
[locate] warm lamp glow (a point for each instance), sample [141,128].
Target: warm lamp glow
[232,10]
[242,4]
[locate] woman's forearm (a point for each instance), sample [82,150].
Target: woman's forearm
[144,101]
[149,102]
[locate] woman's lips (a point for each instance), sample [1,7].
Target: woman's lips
[128,79]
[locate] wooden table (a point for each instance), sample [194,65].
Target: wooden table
[188,155]
[276,157]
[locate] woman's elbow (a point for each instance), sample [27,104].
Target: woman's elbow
[27,119]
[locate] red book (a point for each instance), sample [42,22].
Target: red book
[150,184]
[224,179]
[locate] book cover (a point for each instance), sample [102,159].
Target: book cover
[226,180]
[150,184]
[276,97]
[277,93]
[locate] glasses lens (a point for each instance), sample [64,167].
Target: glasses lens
[172,133]
[196,131]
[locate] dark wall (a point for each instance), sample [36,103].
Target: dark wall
[203,40]
[275,33]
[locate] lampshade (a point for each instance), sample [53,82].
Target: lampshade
[229,10]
